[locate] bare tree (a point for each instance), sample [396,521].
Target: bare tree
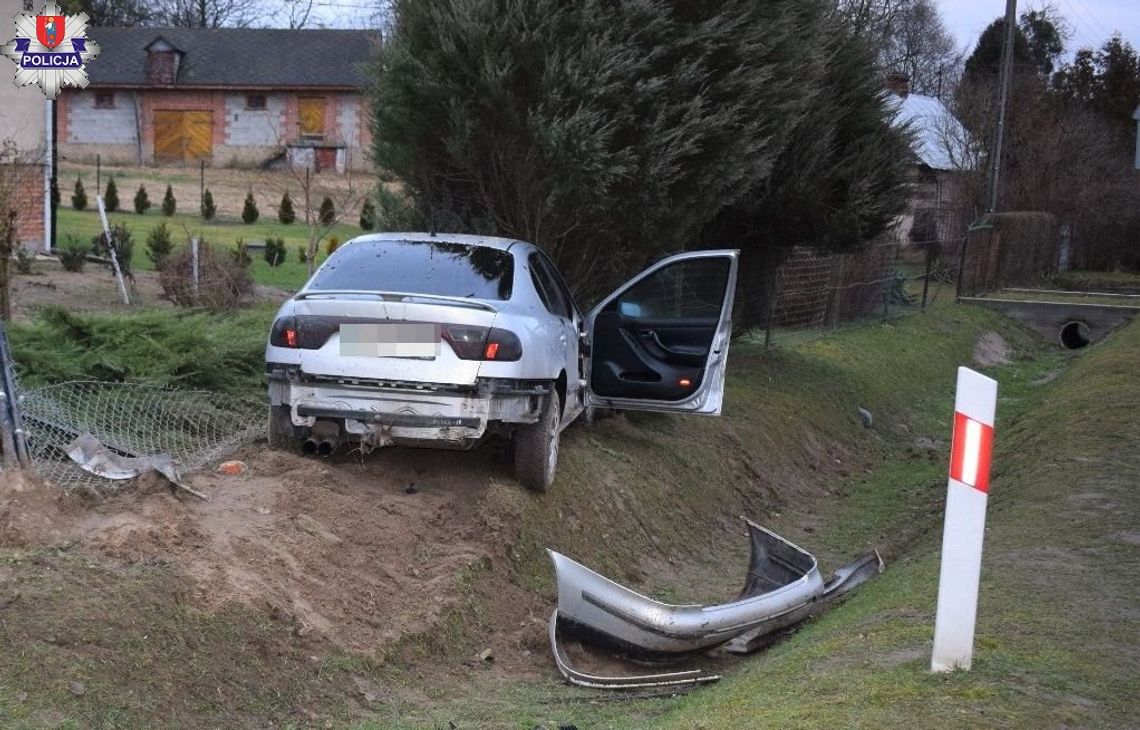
[208,13]
[911,39]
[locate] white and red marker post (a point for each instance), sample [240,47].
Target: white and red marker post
[963,534]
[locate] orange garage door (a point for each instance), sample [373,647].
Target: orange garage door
[182,135]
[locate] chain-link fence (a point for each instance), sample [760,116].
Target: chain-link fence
[814,291]
[130,420]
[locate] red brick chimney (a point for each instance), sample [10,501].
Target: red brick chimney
[898,83]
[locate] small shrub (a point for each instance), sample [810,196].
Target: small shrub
[142,200]
[169,204]
[79,197]
[303,253]
[330,245]
[249,212]
[111,197]
[73,254]
[327,214]
[123,245]
[275,251]
[368,216]
[159,246]
[209,210]
[25,262]
[240,255]
[285,212]
[222,283]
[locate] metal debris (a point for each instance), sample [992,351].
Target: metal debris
[783,587]
[92,456]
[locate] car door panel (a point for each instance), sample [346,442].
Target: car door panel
[660,342]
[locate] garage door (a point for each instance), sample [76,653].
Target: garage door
[180,136]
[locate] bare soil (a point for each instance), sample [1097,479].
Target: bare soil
[94,290]
[362,551]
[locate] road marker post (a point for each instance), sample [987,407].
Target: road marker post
[963,534]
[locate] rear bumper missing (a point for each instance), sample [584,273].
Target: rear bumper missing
[379,413]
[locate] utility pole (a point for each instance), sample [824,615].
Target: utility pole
[1003,101]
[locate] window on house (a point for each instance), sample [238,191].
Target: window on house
[255,101]
[104,100]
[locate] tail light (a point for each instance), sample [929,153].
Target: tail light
[481,343]
[306,332]
[310,332]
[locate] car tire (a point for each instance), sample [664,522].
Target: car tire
[281,428]
[536,446]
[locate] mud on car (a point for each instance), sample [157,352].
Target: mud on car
[419,339]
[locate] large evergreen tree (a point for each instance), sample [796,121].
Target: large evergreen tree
[610,133]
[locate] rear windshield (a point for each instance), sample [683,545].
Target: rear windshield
[419,267]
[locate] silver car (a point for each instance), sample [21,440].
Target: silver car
[432,340]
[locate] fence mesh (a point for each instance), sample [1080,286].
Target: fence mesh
[815,291]
[194,427]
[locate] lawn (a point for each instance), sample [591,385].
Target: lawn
[291,274]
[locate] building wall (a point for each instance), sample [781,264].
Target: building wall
[240,136]
[23,124]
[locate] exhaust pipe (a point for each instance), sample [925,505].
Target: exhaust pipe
[309,447]
[327,446]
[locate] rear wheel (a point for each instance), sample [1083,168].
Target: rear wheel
[281,428]
[536,446]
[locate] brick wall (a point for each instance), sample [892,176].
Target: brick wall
[28,199]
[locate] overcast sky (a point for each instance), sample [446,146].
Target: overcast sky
[1091,22]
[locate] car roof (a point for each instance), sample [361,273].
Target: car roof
[502,244]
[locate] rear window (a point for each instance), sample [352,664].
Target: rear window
[419,267]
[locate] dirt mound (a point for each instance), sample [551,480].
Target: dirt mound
[992,349]
[361,550]
[32,513]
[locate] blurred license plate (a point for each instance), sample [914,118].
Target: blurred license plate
[389,340]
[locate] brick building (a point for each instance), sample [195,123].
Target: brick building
[24,170]
[229,96]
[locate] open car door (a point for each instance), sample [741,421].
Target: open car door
[660,342]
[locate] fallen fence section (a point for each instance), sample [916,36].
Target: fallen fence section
[133,421]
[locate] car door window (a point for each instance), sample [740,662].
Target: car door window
[567,308]
[548,290]
[691,289]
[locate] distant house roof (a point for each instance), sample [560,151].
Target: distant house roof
[239,57]
[941,142]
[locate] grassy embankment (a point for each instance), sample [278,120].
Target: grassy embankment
[639,493]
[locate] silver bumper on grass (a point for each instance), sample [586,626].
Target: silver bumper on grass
[783,586]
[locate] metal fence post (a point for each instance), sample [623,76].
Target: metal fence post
[926,273]
[12,433]
[194,266]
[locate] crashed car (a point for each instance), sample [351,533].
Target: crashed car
[432,340]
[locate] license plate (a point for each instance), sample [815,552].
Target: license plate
[389,340]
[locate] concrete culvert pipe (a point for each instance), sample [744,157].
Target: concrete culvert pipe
[1074,335]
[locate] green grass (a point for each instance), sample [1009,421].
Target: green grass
[289,275]
[1097,281]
